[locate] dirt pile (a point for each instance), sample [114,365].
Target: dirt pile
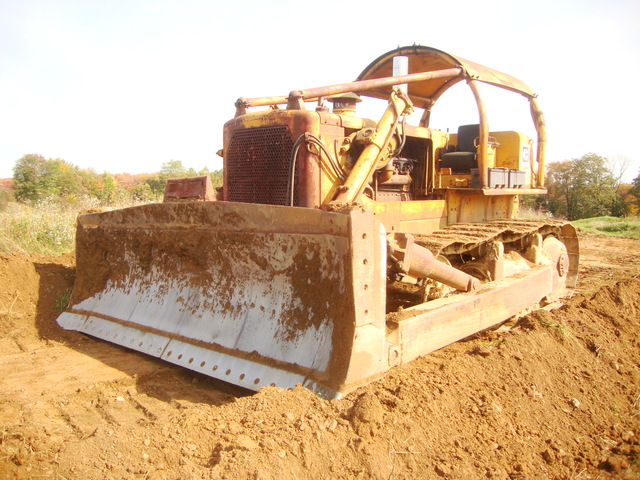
[555,395]
[32,293]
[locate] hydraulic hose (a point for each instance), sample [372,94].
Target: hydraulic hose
[312,140]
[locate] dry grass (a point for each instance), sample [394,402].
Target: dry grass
[46,228]
[530,213]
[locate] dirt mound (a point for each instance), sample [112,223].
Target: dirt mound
[32,293]
[555,395]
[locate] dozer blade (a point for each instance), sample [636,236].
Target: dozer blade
[250,294]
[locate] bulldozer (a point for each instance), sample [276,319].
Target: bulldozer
[338,246]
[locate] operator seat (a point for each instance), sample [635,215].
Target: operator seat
[465,158]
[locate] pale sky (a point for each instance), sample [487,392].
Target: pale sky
[125,85]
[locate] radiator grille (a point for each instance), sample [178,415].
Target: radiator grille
[258,165]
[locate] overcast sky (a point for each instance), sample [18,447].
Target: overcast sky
[125,85]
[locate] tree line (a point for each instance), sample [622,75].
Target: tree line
[588,187]
[36,179]
[580,188]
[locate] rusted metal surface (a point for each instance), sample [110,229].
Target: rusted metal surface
[253,295]
[432,72]
[418,262]
[380,142]
[358,86]
[426,327]
[257,160]
[433,325]
[460,238]
[189,189]
[256,293]
[425,59]
[541,129]
[425,93]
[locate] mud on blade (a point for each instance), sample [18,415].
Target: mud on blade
[250,294]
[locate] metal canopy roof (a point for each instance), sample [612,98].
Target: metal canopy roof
[427,59]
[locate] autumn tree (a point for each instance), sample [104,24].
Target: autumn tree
[634,192]
[173,169]
[216,178]
[36,178]
[142,193]
[109,188]
[27,177]
[582,188]
[630,198]
[170,169]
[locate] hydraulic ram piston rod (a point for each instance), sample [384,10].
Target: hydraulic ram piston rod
[419,262]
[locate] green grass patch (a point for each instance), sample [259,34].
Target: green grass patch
[617,227]
[564,331]
[62,301]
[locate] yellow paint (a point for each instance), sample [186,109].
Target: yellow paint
[374,153]
[470,208]
[420,216]
[510,152]
[454,181]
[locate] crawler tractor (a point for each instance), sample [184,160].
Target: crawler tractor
[338,246]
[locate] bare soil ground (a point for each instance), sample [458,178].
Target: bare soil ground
[554,396]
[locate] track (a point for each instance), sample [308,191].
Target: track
[464,237]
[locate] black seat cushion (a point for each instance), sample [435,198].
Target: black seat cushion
[464,159]
[467,135]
